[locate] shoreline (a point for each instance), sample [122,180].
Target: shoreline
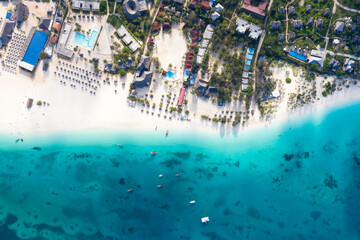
[72,110]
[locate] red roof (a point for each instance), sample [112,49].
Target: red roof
[56,26]
[160,14]
[181,95]
[205,5]
[192,4]
[260,10]
[194,35]
[193,44]
[162,6]
[151,42]
[166,26]
[155,24]
[262,5]
[155,30]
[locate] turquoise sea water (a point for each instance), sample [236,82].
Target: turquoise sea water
[292,181]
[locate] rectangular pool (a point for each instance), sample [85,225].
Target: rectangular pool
[298,55]
[82,41]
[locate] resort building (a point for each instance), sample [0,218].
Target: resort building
[310,22]
[6,32]
[308,8]
[134,8]
[339,27]
[319,23]
[34,45]
[247,74]
[334,64]
[127,38]
[219,7]
[348,65]
[291,10]
[316,57]
[21,13]
[292,36]
[209,32]
[297,24]
[215,16]
[45,23]
[205,5]
[61,49]
[143,75]
[258,11]
[254,30]
[275,94]
[86,5]
[281,10]
[242,25]
[275,25]
[281,37]
[181,96]
[65,34]
[326,12]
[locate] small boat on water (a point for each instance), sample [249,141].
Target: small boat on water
[205,220]
[167,133]
[120,146]
[159,186]
[153,153]
[177,175]
[192,202]
[36,148]
[130,190]
[160,175]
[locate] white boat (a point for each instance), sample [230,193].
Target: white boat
[192,202]
[160,175]
[205,220]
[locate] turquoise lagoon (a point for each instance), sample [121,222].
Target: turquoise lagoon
[299,180]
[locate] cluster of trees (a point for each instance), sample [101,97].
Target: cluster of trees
[103,8]
[230,77]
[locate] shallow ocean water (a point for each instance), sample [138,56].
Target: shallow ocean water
[299,180]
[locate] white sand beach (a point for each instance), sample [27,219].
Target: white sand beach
[74,109]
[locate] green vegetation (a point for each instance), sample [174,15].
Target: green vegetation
[43,55]
[138,27]
[288,80]
[103,8]
[230,78]
[114,20]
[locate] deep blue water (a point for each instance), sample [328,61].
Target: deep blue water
[298,180]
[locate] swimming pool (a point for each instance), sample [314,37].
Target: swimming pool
[35,47]
[298,55]
[82,41]
[170,74]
